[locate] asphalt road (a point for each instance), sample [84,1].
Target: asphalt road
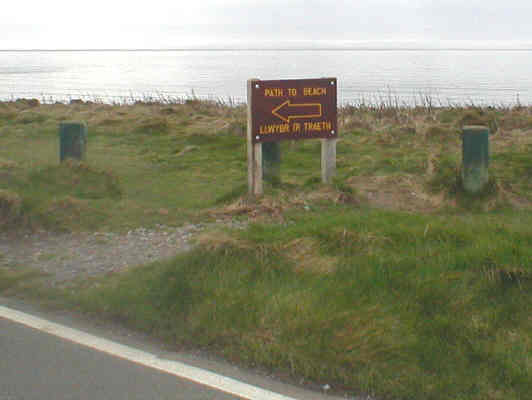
[38,366]
[61,355]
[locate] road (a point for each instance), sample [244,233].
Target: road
[41,359]
[38,366]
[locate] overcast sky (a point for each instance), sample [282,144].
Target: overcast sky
[58,24]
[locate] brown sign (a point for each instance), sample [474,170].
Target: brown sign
[293,109]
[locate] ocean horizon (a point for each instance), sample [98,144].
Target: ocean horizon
[401,75]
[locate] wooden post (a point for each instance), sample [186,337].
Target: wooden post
[255,187]
[257,170]
[475,158]
[328,160]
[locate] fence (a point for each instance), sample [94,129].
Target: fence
[386,98]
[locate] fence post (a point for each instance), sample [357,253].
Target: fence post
[475,158]
[72,140]
[271,162]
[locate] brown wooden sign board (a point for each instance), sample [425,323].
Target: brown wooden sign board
[293,109]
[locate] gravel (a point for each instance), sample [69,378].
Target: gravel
[69,256]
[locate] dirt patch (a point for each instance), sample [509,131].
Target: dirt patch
[305,254]
[67,257]
[397,192]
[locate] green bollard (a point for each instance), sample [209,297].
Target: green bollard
[271,162]
[72,140]
[475,158]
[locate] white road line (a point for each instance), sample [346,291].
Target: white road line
[176,368]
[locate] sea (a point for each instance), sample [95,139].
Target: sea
[397,77]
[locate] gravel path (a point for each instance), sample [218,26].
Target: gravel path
[69,256]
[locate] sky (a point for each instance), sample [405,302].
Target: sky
[160,24]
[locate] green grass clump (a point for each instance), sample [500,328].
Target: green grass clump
[408,307]
[77,179]
[57,197]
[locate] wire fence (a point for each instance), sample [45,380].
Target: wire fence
[119,99]
[453,97]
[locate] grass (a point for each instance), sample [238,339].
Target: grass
[12,278]
[391,282]
[190,157]
[396,305]
[134,157]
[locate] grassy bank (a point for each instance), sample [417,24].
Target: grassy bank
[391,281]
[153,163]
[396,305]
[146,164]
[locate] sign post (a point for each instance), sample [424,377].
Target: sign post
[291,110]
[328,160]
[254,149]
